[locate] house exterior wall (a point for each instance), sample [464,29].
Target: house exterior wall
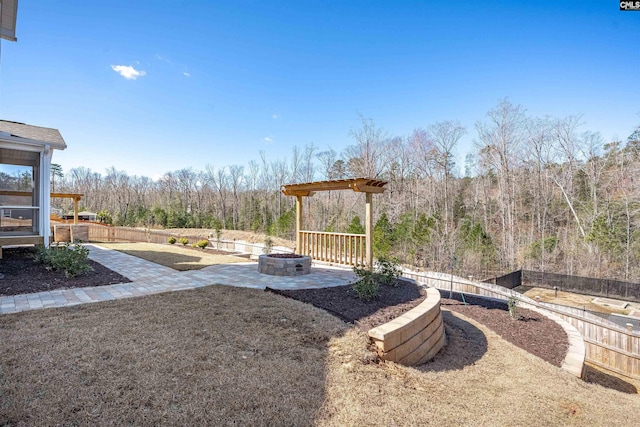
[45,193]
[41,189]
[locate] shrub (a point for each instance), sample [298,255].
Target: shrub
[172,240]
[512,304]
[71,260]
[184,241]
[388,270]
[202,243]
[268,245]
[366,287]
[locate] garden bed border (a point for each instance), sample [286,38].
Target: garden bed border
[414,337]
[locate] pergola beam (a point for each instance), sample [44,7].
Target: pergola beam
[359,185]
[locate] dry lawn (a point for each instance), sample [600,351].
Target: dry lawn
[229,356]
[173,256]
[247,236]
[571,300]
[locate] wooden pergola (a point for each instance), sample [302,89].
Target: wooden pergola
[75,196]
[369,186]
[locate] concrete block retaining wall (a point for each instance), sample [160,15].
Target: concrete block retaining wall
[415,337]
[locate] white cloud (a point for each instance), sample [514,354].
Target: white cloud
[268,140]
[275,116]
[186,74]
[128,72]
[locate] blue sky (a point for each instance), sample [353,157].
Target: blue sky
[219,82]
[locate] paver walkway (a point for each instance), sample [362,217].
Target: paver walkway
[149,278]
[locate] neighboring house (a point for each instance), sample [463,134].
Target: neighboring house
[25,169]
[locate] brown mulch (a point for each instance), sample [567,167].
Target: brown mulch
[534,332]
[20,274]
[343,302]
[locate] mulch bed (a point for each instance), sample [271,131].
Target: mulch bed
[534,333]
[343,302]
[22,275]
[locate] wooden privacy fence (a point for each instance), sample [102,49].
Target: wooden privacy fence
[607,345]
[101,233]
[337,248]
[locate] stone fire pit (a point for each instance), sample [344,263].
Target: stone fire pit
[284,264]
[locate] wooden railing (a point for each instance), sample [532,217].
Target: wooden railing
[336,248]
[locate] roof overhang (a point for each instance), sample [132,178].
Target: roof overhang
[359,185]
[27,144]
[8,17]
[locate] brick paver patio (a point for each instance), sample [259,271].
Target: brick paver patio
[149,278]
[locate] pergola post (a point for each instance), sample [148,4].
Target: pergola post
[369,230]
[298,224]
[76,200]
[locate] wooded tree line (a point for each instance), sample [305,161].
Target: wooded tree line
[538,193]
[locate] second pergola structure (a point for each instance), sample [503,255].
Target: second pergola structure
[338,248]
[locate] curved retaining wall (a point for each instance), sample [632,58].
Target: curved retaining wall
[576,353]
[415,337]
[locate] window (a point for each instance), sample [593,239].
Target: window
[19,192]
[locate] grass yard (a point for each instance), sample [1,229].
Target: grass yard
[174,256]
[570,299]
[228,356]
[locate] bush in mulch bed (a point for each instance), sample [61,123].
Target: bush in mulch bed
[20,274]
[343,302]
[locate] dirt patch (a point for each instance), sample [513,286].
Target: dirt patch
[535,333]
[22,275]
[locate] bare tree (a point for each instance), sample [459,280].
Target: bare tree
[366,157]
[445,136]
[500,143]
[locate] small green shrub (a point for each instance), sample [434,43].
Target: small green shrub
[512,304]
[388,270]
[366,287]
[184,241]
[202,243]
[172,240]
[268,245]
[72,260]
